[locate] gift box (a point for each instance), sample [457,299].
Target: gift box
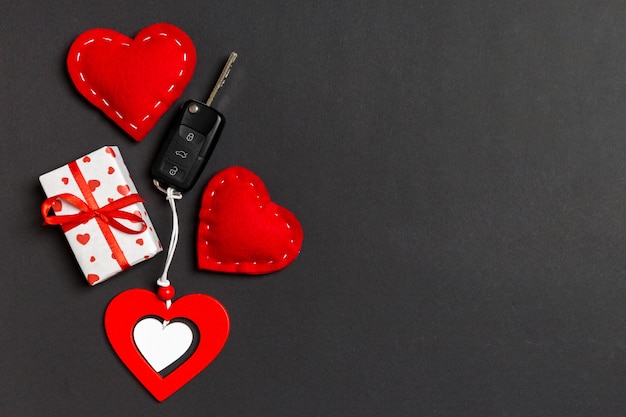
[96,204]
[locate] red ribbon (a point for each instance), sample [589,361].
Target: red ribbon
[105,216]
[108,214]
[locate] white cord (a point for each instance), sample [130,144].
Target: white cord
[171,196]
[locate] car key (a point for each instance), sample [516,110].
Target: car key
[190,140]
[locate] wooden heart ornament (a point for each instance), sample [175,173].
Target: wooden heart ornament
[133,81]
[241,230]
[150,339]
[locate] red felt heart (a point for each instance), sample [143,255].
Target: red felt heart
[241,230]
[133,81]
[129,307]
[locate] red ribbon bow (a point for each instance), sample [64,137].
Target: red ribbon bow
[107,214]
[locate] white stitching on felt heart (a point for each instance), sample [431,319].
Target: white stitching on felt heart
[208,227]
[126,44]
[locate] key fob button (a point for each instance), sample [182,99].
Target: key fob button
[190,137]
[180,154]
[203,120]
[173,171]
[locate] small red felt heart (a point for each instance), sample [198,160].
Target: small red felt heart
[65,180]
[133,81]
[241,230]
[129,307]
[110,170]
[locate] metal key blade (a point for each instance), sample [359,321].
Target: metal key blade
[222,78]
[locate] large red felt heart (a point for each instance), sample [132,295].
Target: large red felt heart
[131,306]
[241,230]
[133,81]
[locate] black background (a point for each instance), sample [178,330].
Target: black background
[459,172]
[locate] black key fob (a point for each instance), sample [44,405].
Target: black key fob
[188,146]
[190,140]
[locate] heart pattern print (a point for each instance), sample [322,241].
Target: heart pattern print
[88,241]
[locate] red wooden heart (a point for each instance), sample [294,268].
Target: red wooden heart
[129,307]
[133,81]
[241,230]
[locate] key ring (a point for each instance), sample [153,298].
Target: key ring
[177,194]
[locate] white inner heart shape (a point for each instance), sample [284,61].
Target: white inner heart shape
[161,344]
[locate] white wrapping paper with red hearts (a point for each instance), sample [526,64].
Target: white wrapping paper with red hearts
[110,229]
